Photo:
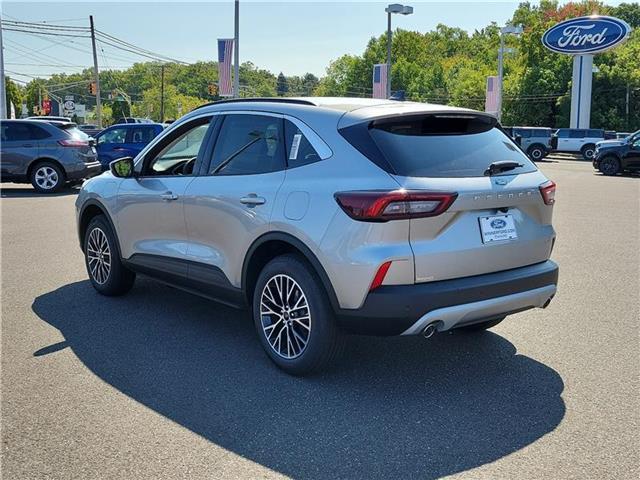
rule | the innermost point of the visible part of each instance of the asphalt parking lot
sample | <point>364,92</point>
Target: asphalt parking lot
<point>161,384</point>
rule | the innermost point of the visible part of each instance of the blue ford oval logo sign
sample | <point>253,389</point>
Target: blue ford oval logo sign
<point>586,35</point>
<point>498,224</point>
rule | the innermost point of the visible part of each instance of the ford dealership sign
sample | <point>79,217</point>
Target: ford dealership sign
<point>582,35</point>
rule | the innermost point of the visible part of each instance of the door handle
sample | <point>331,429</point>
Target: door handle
<point>169,196</point>
<point>252,200</point>
<point>119,149</point>
<point>28,145</point>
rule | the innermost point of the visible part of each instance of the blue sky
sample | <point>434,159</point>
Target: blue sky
<point>292,37</point>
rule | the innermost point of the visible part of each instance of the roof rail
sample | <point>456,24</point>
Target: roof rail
<point>297,101</point>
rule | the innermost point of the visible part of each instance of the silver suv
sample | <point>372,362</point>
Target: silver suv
<point>329,215</point>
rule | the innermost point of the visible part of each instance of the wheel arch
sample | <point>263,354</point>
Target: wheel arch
<point>273,244</point>
<point>91,209</point>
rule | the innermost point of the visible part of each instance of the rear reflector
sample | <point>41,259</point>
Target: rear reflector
<point>548,192</point>
<point>380,274</point>
<point>73,143</point>
<point>382,206</point>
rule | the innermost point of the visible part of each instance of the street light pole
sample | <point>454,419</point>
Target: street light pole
<point>403,10</point>
<point>515,30</point>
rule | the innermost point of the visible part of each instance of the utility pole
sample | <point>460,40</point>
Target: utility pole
<point>3,90</point>
<point>162,93</point>
<point>236,51</point>
<point>96,76</point>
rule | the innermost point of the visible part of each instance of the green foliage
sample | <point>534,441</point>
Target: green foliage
<point>14,96</point>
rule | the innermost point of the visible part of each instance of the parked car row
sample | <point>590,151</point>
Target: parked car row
<point>538,142</point>
<point>51,152</point>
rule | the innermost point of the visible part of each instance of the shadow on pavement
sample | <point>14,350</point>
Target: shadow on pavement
<point>26,192</point>
<point>392,407</point>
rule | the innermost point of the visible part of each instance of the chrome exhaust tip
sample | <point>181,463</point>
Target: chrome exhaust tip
<point>430,329</point>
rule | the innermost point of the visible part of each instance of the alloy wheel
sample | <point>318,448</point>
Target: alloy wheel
<point>99,255</point>
<point>46,177</point>
<point>285,316</point>
<point>608,166</point>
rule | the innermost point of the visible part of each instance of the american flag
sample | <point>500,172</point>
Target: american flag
<point>491,102</point>
<point>225,51</point>
<point>380,80</point>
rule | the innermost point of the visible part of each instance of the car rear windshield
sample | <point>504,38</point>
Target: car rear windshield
<point>439,145</point>
<point>73,131</point>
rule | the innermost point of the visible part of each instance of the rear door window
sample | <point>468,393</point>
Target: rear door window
<point>249,144</point>
<point>576,133</point>
<point>444,145</point>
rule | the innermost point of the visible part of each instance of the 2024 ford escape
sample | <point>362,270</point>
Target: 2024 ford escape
<point>326,216</point>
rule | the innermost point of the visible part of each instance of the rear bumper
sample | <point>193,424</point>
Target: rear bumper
<point>407,309</point>
<point>85,170</point>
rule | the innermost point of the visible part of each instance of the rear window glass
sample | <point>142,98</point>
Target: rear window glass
<point>74,132</point>
<point>445,146</point>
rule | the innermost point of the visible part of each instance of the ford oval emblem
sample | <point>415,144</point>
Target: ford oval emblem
<point>501,181</point>
<point>498,224</point>
<point>586,35</point>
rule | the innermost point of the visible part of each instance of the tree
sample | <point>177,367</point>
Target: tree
<point>14,96</point>
<point>282,85</point>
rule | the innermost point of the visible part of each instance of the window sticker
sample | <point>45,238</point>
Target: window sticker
<point>295,145</point>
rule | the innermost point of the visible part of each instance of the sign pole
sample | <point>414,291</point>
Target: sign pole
<point>581,83</point>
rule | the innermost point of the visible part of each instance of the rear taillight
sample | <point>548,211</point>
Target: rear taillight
<point>382,206</point>
<point>548,192</point>
<point>73,143</point>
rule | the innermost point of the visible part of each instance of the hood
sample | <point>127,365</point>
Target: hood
<point>610,143</point>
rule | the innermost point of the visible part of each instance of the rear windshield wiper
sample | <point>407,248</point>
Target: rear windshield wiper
<point>502,166</point>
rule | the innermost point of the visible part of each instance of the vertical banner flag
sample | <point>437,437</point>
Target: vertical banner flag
<point>491,102</point>
<point>225,51</point>
<point>380,80</point>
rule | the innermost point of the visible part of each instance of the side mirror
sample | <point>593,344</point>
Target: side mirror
<point>518,139</point>
<point>122,167</point>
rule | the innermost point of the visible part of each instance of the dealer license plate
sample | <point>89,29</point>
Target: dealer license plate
<point>497,228</point>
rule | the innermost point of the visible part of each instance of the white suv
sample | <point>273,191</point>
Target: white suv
<point>329,215</point>
<point>577,140</point>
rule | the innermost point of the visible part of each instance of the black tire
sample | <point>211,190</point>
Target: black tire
<point>609,165</point>
<point>478,327</point>
<point>324,341</point>
<point>47,177</point>
<point>588,151</point>
<point>536,152</point>
<point>118,279</point>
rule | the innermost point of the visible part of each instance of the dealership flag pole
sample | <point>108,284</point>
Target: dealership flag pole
<point>236,44</point>
<point>3,91</point>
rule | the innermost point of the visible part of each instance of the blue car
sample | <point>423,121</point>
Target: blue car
<point>124,140</point>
